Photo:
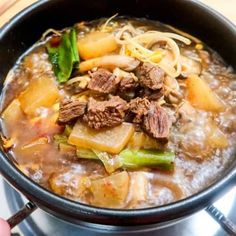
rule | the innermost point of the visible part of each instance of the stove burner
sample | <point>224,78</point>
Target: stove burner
<point>43,224</point>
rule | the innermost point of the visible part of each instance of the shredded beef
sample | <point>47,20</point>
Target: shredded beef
<point>103,81</point>
<point>139,107</point>
<point>71,109</point>
<point>150,76</point>
<point>103,114</point>
<point>156,122</point>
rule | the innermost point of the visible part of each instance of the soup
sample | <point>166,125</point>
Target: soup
<point>120,113</point>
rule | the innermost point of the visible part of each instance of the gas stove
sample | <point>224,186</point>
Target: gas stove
<point>43,224</point>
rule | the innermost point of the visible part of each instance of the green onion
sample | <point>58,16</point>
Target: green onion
<point>63,138</point>
<point>86,153</point>
<point>67,130</point>
<point>147,158</point>
<point>131,159</point>
<point>64,57</point>
<point>73,40</point>
<point>60,138</point>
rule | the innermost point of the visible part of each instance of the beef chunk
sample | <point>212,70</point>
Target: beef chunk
<point>152,95</point>
<point>127,88</point>
<point>127,84</point>
<point>103,81</point>
<point>156,122</point>
<point>155,95</point>
<point>150,76</point>
<point>139,107</point>
<point>71,109</point>
<point>102,114</point>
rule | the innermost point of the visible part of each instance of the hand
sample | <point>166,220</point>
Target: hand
<point>4,228</point>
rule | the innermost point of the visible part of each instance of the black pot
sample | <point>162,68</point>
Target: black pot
<point>191,16</point>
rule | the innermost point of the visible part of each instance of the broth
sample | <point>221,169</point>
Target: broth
<point>164,129</point>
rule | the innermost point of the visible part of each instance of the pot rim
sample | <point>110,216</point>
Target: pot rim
<point>55,204</point>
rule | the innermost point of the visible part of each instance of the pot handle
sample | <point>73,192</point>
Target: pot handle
<point>224,222</point>
<point>24,212</point>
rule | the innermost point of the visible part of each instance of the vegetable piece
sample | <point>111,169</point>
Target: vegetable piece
<point>137,140</point>
<point>141,140</point>
<point>67,149</point>
<point>60,138</point>
<point>64,55</point>
<point>96,44</point>
<point>111,163</point>
<point>13,112</point>
<point>215,137</point>
<point>108,140</point>
<point>139,188</point>
<point>41,92</point>
<point>147,158</point>
<point>8,143</point>
<point>110,62</point>
<point>73,41</point>
<point>68,130</point>
<point>201,96</point>
<point>111,191</point>
<point>131,159</point>
<point>65,59</point>
<point>69,183</point>
<point>61,58</point>
<point>33,148</point>
<point>36,142</point>
<point>86,153</point>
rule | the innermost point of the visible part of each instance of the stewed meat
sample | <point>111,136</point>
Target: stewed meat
<point>127,84</point>
<point>103,114</point>
<point>103,81</point>
<point>71,109</point>
<point>150,76</point>
<point>138,108</point>
<point>157,123</point>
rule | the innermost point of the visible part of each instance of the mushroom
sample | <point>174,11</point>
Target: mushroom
<point>110,62</point>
